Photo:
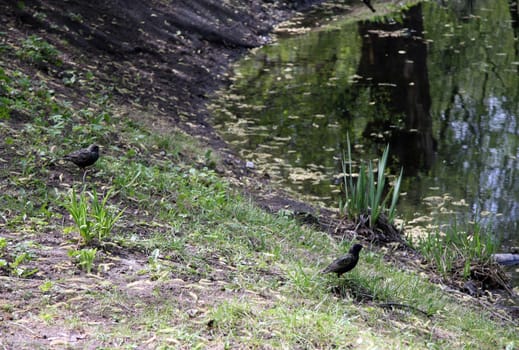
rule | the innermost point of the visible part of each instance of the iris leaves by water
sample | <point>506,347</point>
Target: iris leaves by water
<point>363,194</point>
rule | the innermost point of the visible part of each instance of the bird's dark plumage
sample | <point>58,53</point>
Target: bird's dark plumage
<point>346,262</point>
<point>84,157</point>
<point>368,4</point>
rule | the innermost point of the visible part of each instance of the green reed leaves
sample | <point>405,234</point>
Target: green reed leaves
<point>364,193</point>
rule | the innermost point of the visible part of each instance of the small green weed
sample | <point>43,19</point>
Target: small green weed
<point>36,50</point>
<point>76,17</point>
<point>46,286</point>
<point>3,246</point>
<point>158,270</point>
<point>13,261</point>
<point>16,265</point>
<point>18,269</point>
<point>84,257</point>
<point>4,90</point>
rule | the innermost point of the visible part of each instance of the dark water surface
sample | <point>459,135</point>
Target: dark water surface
<point>439,84</point>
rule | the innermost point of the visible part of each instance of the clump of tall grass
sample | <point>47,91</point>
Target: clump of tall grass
<point>94,219</point>
<point>456,250</point>
<point>364,194</point>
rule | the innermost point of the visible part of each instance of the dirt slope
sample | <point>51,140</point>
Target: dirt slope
<point>168,53</point>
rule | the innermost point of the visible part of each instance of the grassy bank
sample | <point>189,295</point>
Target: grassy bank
<point>192,262</point>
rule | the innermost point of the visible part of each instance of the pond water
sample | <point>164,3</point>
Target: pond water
<point>438,83</point>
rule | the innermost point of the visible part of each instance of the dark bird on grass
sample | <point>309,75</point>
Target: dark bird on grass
<point>346,262</point>
<point>84,157</point>
<point>368,4</point>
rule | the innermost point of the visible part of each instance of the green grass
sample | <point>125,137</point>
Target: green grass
<point>457,249</point>
<point>193,262</point>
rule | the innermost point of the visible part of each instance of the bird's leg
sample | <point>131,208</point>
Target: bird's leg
<point>84,174</point>
<point>368,4</point>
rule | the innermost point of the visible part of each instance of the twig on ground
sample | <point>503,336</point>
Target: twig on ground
<point>403,306</point>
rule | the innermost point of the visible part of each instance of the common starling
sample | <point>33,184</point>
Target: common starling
<point>84,157</point>
<point>368,4</point>
<point>346,262</point>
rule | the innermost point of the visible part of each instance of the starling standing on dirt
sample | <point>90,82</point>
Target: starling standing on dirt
<point>368,4</point>
<point>346,262</point>
<point>84,157</point>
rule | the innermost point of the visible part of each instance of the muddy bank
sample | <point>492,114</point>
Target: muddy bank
<point>166,55</point>
<point>169,54</point>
